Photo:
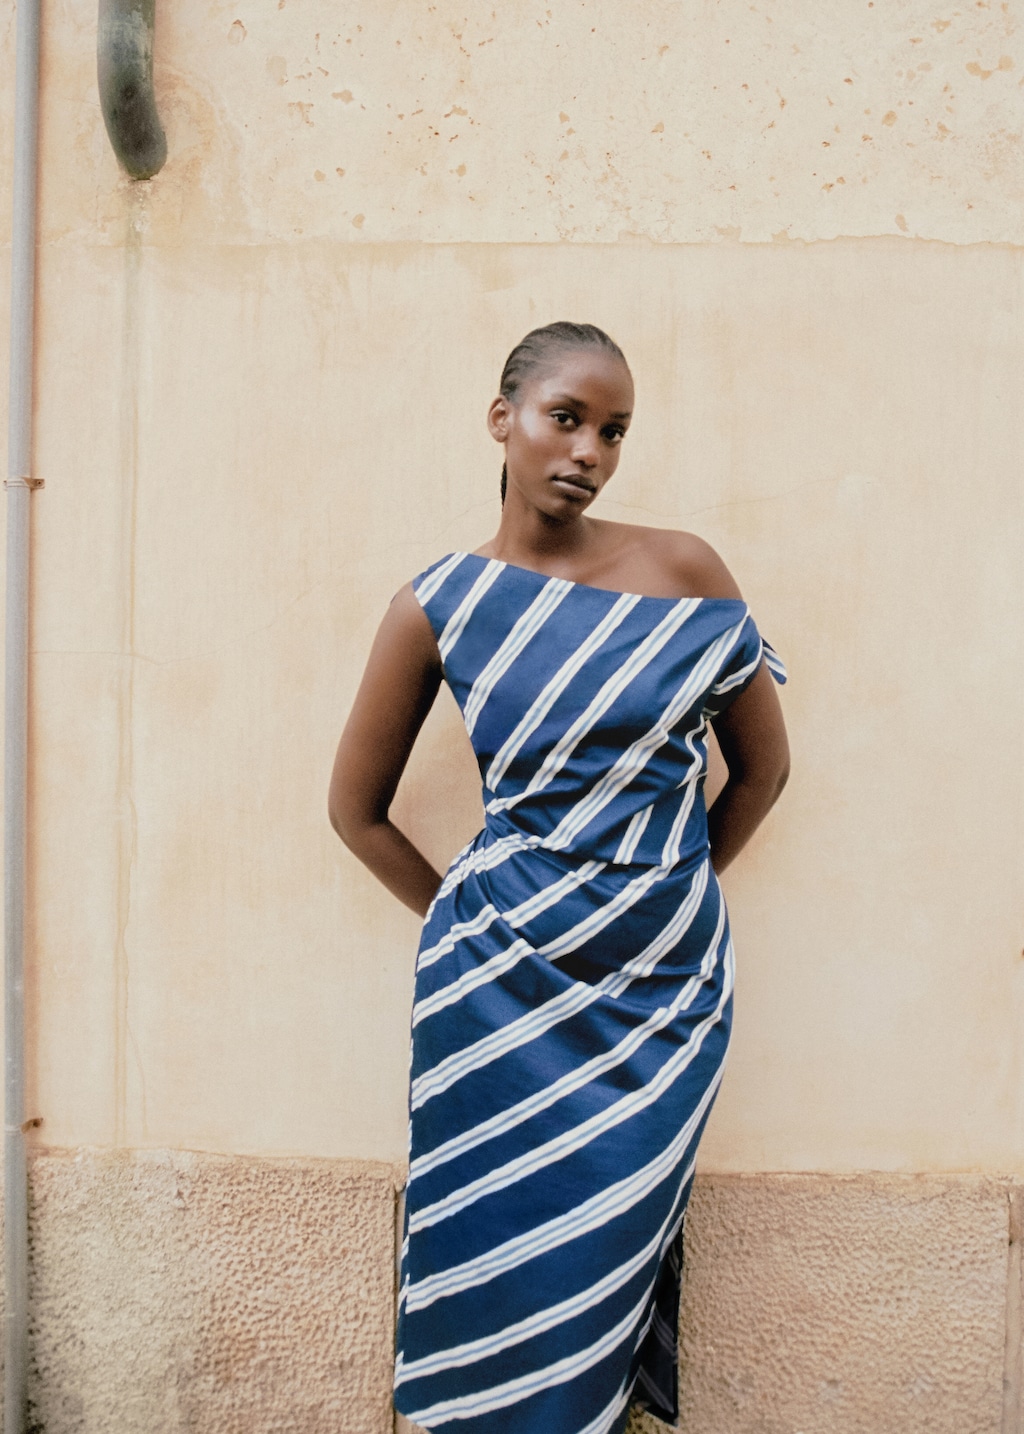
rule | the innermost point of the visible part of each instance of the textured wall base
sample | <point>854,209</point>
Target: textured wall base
<point>847,1305</point>
<point>175,1292</point>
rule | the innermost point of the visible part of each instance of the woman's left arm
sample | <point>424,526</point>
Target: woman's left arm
<point>752,735</point>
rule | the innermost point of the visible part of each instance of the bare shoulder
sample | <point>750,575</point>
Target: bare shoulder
<point>406,625</point>
<point>405,606</point>
<point>690,562</point>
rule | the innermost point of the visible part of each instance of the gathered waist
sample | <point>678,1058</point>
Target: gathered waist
<point>679,852</point>
<point>508,893</point>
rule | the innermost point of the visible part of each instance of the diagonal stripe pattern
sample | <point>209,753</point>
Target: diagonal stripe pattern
<point>572,1006</point>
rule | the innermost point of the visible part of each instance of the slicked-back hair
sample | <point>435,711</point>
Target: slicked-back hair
<point>539,347</point>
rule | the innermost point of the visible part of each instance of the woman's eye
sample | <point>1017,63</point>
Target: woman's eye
<point>613,435</point>
<point>563,419</point>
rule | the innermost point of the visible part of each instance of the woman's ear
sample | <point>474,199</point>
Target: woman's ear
<point>498,419</point>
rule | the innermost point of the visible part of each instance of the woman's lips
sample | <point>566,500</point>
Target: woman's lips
<point>575,487</point>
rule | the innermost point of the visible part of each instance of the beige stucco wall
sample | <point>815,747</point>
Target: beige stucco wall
<point>220,533</point>
<point>261,384</point>
<point>257,417</point>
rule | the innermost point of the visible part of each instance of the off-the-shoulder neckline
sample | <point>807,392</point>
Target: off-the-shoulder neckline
<point>590,587</point>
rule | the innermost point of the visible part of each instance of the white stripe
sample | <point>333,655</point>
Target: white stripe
<point>601,1208</point>
<point>535,1324</point>
<point>543,1320</point>
<point>604,1421</point>
<point>631,840</point>
<point>486,858</point>
<point>641,656</point>
<point>535,715</point>
<point>534,905</point>
<point>515,917</point>
<point>646,1384</point>
<point>430,586</point>
<point>457,622</point>
<point>666,939</point>
<point>670,851</point>
<point>528,625</point>
<point>666,1336</point>
<point>468,1406</point>
<point>772,661</point>
<point>527,1028</point>
<point>596,921</point>
<point>572,1081</point>
<point>498,1043</point>
<point>692,780</point>
<point>775,664</point>
<point>735,678</point>
<point>479,976</point>
<point>632,761</point>
<point>568,1142</point>
<point>608,1415</point>
<point>474,927</point>
<point>457,860</point>
<point>641,1335</point>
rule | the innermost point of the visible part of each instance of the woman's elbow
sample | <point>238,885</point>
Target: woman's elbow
<point>336,817</point>
<point>764,779</point>
<point>343,817</point>
<point>351,820</point>
<point>775,776</point>
<point>781,776</point>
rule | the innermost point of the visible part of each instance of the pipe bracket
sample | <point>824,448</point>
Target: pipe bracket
<point>24,483</point>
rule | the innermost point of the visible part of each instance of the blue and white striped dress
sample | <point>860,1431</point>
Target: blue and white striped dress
<point>572,1005</point>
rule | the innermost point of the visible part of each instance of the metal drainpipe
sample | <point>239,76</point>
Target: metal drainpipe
<point>124,65</point>
<point>19,486</point>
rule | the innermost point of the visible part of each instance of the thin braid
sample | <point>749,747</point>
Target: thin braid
<point>535,352</point>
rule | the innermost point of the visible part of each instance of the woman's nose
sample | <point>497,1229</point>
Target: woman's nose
<point>584,449</point>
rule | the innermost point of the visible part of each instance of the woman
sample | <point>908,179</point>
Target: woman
<point>573,987</point>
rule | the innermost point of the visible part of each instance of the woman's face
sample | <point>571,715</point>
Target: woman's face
<point>563,432</point>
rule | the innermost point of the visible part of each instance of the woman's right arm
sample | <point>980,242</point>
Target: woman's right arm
<point>397,691</point>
